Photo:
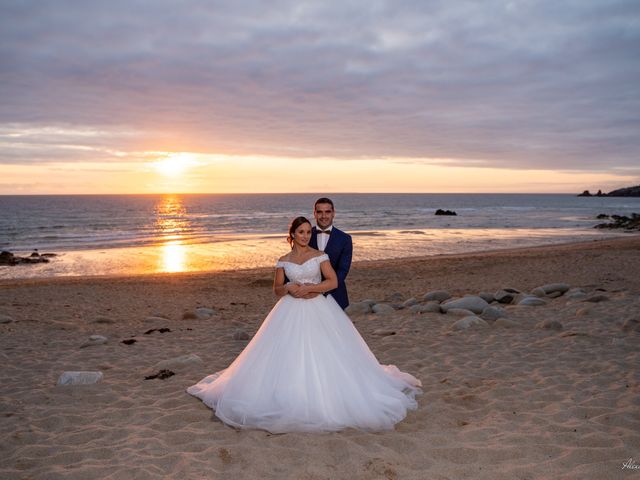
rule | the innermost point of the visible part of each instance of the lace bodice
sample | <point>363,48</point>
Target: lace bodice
<point>307,272</point>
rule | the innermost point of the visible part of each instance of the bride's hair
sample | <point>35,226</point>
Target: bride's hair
<point>294,226</point>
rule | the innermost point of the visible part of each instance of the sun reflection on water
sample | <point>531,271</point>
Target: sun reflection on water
<point>172,224</point>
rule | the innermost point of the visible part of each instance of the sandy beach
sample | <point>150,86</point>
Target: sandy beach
<point>544,392</point>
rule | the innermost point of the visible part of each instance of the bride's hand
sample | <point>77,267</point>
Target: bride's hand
<point>294,289</point>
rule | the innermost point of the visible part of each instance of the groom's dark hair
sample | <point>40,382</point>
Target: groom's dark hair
<point>324,200</point>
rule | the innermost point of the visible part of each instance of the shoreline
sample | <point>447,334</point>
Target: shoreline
<point>359,264</point>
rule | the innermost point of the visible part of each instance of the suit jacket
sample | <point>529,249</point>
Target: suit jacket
<point>340,250</point>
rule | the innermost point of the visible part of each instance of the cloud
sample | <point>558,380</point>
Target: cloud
<point>517,84</point>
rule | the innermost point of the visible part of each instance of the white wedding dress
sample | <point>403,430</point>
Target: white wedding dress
<point>307,369</point>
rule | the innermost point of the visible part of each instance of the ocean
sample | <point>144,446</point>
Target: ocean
<point>133,234</point>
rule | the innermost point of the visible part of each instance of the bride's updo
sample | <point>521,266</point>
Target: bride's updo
<point>294,226</point>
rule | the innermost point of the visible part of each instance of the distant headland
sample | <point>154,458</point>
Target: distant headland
<point>621,192</point>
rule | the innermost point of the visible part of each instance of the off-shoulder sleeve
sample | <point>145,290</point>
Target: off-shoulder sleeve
<point>322,258</point>
<point>280,264</point>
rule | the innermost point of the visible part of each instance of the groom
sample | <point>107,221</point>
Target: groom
<point>335,243</point>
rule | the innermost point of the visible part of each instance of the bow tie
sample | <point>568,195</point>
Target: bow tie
<point>328,232</point>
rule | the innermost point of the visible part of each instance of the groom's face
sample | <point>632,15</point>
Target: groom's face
<point>324,214</point>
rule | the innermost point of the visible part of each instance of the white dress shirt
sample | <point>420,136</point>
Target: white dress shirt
<point>323,238</point>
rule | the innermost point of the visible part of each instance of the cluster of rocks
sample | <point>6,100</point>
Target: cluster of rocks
<point>445,212</point>
<point>620,221</point>
<point>621,192</point>
<point>8,258</point>
<point>475,310</point>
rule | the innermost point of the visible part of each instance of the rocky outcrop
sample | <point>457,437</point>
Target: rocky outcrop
<point>445,212</point>
<point>8,258</point>
<point>625,192</point>
<point>621,221</point>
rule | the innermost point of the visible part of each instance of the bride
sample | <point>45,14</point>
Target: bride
<point>307,369</point>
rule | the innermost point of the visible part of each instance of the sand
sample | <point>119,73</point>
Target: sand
<point>510,400</point>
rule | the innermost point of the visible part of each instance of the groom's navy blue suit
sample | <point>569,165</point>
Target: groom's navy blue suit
<point>340,250</point>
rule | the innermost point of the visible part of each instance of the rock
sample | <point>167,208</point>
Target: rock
<point>459,312</point>
<point>5,319</point>
<point>183,361</point>
<point>383,309</point>
<point>436,296</point>
<point>492,313</point>
<point>94,340</point>
<point>394,297</point>
<point>586,193</point>
<point>241,334</point>
<point>487,297</point>
<point>504,323</point>
<point>467,322</point>
<point>596,299</point>
<point>625,192</point>
<point>359,308</point>
<point>471,302</point>
<point>576,294</point>
<point>204,313</point>
<point>369,302</point>
<point>506,295</point>
<point>409,303</point>
<point>383,332</point>
<point>129,341</point>
<point>631,325</point>
<point>532,302</point>
<point>104,320</point>
<point>79,378</point>
<point>445,212</point>
<point>622,221</point>
<point>555,287</point>
<point>550,325</point>
<point>431,307</point>
<point>554,294</point>
<point>189,315</point>
<point>538,292</point>
<point>155,319</point>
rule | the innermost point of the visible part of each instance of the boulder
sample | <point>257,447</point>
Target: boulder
<point>189,315</point>
<point>505,323</point>
<point>79,378</point>
<point>5,319</point>
<point>555,287</point>
<point>359,308</point>
<point>382,308</point>
<point>445,212</point>
<point>532,302</point>
<point>487,297</point>
<point>467,322</point>
<point>538,292</point>
<point>204,313</point>
<point>550,325</point>
<point>576,294</point>
<point>94,340</point>
<point>436,296</point>
<point>183,361</point>
<point>596,299</point>
<point>409,303</point>
<point>431,307</point>
<point>395,297</point>
<point>473,303</point>
<point>506,295</point>
<point>460,312</point>
<point>492,314</point>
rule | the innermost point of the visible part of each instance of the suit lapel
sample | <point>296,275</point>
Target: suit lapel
<point>313,243</point>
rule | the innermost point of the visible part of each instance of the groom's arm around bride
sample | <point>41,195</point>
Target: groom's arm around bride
<point>336,244</point>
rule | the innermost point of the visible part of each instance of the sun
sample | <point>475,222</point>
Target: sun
<point>174,164</point>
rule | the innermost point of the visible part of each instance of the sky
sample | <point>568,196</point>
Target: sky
<point>293,96</point>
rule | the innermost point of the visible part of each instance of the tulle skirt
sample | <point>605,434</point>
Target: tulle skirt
<point>307,369</point>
